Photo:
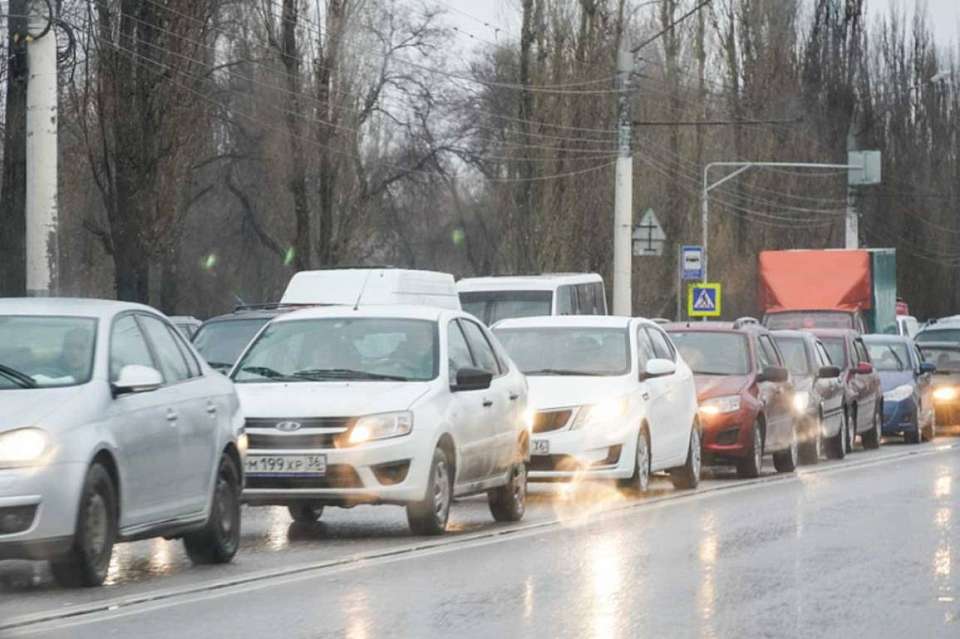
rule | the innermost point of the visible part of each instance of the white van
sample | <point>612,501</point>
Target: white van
<point>368,286</point>
<point>495,298</point>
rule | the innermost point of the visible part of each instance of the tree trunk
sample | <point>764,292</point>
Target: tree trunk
<point>297,182</point>
<point>328,114</point>
<point>13,194</point>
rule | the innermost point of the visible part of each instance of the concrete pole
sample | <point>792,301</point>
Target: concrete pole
<point>852,226</point>
<point>623,199</point>
<point>42,118</point>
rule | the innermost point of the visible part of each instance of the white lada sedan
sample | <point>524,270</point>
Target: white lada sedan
<point>111,429</point>
<point>408,405</point>
<point>610,398</point>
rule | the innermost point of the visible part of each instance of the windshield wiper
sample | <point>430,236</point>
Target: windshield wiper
<point>346,373</point>
<point>22,379</point>
<point>268,373</point>
<point>220,366</point>
<point>900,366</point>
<point>564,372</point>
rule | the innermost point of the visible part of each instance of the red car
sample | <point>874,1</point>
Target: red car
<point>863,398</point>
<point>745,395</point>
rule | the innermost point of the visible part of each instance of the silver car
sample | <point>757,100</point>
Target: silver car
<point>111,429</point>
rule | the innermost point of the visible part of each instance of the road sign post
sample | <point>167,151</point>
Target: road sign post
<point>705,300</point>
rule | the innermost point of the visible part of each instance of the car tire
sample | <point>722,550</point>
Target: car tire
<point>836,447</point>
<point>785,461</point>
<point>912,437</point>
<point>305,513</point>
<point>429,515</point>
<point>640,481</point>
<point>509,502</point>
<point>851,431</point>
<point>750,467</point>
<point>871,438</point>
<point>687,477</point>
<point>88,560</point>
<point>812,448</point>
<point>219,539</point>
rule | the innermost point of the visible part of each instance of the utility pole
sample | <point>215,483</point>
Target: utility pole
<point>852,226</point>
<point>42,120</point>
<point>623,198</point>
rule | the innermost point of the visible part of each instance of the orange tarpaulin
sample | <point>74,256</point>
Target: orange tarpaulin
<point>815,280</point>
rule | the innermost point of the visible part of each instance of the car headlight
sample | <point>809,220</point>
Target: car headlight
<point>945,394</point>
<point>899,393</point>
<point>383,426</point>
<point>529,418</point>
<point>801,400</point>
<point>243,443</point>
<point>24,447</point>
<point>720,405</point>
<point>602,412</point>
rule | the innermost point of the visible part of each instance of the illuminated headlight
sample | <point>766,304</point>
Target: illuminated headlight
<point>602,412</point>
<point>529,418</point>
<point>801,399</point>
<point>899,393</point>
<point>382,426</point>
<point>243,443</point>
<point>24,447</point>
<point>945,394</point>
<point>720,405</point>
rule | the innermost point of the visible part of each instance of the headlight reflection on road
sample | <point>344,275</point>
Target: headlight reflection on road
<point>582,500</point>
<point>278,532</point>
<point>606,586</point>
<point>706,591</point>
<point>358,615</point>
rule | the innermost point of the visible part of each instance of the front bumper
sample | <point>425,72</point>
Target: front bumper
<point>727,436</point>
<point>601,451</point>
<point>44,498</point>
<point>899,417</point>
<point>392,471</point>
<point>947,413</point>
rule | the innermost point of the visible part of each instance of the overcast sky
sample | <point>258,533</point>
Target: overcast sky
<point>470,16</point>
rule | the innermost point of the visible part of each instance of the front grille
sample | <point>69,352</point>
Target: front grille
<point>728,437</point>
<point>305,422</point>
<point>264,434</point>
<point>338,476</point>
<point>546,421</point>
<point>262,441</point>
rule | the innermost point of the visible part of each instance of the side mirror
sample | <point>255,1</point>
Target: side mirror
<point>472,379</point>
<point>137,379</point>
<point>927,368</point>
<point>864,368</point>
<point>659,368</point>
<point>828,372</point>
<point>775,374</point>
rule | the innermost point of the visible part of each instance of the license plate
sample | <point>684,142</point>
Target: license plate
<point>313,465</point>
<point>541,447</point>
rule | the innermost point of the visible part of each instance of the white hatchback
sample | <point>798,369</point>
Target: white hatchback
<point>610,398</point>
<point>406,405</point>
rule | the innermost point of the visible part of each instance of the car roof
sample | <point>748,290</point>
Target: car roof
<point>878,338</point>
<point>396,311</point>
<point>569,321</point>
<point>541,282</point>
<point>70,306</point>
<point>805,335</point>
<point>834,332</point>
<point>251,313</point>
<point>716,327</point>
<point>945,346</point>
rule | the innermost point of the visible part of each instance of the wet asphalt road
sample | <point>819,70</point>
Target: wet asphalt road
<point>866,547</point>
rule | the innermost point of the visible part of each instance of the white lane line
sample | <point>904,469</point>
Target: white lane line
<point>136,604</point>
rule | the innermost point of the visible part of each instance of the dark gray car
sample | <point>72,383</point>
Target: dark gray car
<point>222,339</point>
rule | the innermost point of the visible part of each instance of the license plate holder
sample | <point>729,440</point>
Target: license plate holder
<point>286,465</point>
<point>540,447</point>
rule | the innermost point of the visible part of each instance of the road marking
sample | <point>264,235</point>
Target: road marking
<point>125,606</point>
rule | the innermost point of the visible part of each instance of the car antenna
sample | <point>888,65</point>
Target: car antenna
<point>356,306</point>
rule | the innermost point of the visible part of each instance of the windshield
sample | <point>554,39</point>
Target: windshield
<point>568,351</point>
<point>710,353</point>
<point>797,320</point>
<point>836,350</point>
<point>352,349</point>
<point>889,356</point>
<point>947,360</point>
<point>795,355</point>
<point>222,342</point>
<point>939,335</point>
<point>493,306</point>
<point>46,352</point>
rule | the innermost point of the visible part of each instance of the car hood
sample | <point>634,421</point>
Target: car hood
<point>891,379</point>
<point>710,386</point>
<point>949,379</point>
<point>547,391</point>
<point>328,399</point>
<point>30,406</point>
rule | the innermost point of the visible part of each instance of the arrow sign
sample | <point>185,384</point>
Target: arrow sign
<point>704,300</point>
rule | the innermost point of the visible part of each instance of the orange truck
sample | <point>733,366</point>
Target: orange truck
<point>829,288</point>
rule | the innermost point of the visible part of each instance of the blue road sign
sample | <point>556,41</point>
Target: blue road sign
<point>692,262</point>
<point>704,300</point>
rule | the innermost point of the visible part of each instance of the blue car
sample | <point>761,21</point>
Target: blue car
<point>905,379</point>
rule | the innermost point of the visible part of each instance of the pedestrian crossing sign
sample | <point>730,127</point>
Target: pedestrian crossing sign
<point>704,300</point>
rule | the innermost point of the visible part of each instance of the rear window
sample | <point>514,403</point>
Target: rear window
<point>222,342</point>
<point>798,320</point>
<point>714,353</point>
<point>492,306</point>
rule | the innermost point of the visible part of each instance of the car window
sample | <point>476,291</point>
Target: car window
<point>822,356</point>
<point>565,300</point>
<point>861,351</point>
<point>794,354</point>
<point>601,298</point>
<point>662,347</point>
<point>192,365</point>
<point>458,353</point>
<point>713,353</point>
<point>481,348</point>
<point>644,349</point>
<point>569,350</point>
<point>836,349</point>
<point>766,354</point>
<point>172,364</point>
<point>128,347</point>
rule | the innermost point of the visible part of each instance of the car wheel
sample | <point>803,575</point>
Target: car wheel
<point>305,513</point>
<point>851,431</point>
<point>640,481</point>
<point>88,560</point>
<point>687,476</point>
<point>217,542</point>
<point>812,448</point>
<point>509,502</point>
<point>785,461</point>
<point>871,438</point>
<point>429,515</point>
<point>912,437</point>
<point>837,445</point>
<point>750,466</point>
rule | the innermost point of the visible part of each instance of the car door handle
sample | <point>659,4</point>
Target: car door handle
<point>211,409</point>
<point>514,397</point>
<point>487,403</point>
<point>172,416</point>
